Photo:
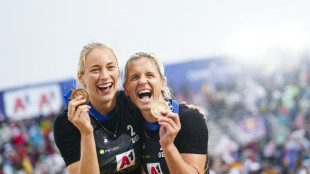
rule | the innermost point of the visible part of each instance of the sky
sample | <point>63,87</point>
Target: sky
<point>40,41</point>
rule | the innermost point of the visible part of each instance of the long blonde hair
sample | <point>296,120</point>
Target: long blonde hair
<point>86,49</point>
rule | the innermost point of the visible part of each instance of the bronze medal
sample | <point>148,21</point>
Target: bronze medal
<point>76,92</point>
<point>159,107</point>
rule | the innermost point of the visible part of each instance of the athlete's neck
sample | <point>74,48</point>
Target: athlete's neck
<point>106,107</point>
<point>148,116</point>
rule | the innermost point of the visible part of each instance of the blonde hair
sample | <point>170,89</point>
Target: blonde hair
<point>161,70</point>
<point>86,49</point>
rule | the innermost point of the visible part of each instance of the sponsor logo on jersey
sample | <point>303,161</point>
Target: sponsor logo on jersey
<point>102,151</point>
<point>146,156</point>
<point>125,160</point>
<point>154,168</point>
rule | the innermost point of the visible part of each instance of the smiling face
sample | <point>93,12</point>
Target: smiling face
<point>144,84</point>
<point>101,75</point>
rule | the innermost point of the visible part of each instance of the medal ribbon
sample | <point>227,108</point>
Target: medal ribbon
<point>93,111</point>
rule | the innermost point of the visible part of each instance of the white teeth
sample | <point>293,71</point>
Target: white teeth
<point>144,91</point>
<point>104,86</point>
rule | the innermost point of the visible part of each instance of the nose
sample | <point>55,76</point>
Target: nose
<point>142,80</point>
<point>104,74</point>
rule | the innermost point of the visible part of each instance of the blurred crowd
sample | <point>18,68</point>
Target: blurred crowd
<point>284,95</point>
<point>28,146</point>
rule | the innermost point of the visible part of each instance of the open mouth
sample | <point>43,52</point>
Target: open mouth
<point>105,87</point>
<point>145,95</point>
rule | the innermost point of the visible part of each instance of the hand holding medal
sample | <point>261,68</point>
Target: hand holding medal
<point>78,110</point>
<point>77,92</point>
<point>158,108</point>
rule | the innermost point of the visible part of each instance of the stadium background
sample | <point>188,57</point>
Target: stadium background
<point>253,86</point>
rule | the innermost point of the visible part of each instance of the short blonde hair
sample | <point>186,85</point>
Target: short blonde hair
<point>167,92</point>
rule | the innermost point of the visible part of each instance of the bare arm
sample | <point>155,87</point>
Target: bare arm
<point>184,163</point>
<point>88,162</point>
<point>79,117</point>
<point>142,170</point>
<point>177,163</point>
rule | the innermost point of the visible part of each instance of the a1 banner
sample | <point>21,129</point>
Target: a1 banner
<point>32,102</point>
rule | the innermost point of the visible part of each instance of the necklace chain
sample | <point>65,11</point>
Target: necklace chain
<point>115,132</point>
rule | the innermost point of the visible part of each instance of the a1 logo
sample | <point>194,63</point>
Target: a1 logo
<point>154,168</point>
<point>125,159</point>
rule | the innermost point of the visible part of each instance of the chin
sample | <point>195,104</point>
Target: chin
<point>108,97</point>
<point>144,107</point>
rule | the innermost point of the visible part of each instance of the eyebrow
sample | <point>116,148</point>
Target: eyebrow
<point>112,63</point>
<point>130,75</point>
<point>96,65</point>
